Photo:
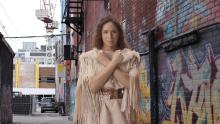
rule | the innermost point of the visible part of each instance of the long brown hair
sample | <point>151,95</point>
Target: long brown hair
<point>97,40</point>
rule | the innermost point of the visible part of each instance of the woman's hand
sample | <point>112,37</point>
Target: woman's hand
<point>98,81</point>
<point>117,57</point>
<point>110,69</point>
<point>103,59</point>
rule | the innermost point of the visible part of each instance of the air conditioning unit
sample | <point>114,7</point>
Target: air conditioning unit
<point>67,52</point>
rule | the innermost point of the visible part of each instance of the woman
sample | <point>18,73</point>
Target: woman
<point>108,88</point>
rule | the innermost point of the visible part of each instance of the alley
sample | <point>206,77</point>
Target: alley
<point>102,59</point>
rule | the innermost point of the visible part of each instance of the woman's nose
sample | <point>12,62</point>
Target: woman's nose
<point>110,35</point>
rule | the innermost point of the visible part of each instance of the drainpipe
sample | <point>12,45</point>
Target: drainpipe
<point>154,89</point>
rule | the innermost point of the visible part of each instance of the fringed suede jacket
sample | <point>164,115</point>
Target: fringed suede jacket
<point>114,104</point>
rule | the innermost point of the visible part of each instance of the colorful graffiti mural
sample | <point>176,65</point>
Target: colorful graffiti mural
<point>194,96</point>
<point>178,16</point>
<point>189,77</point>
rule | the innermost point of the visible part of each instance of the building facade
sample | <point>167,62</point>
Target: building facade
<point>34,69</point>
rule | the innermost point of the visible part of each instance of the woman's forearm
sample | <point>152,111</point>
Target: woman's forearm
<point>122,77</point>
<point>101,78</point>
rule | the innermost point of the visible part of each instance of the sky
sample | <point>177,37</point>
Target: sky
<point>18,18</point>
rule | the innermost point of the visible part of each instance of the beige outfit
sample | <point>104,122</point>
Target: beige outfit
<point>99,108</point>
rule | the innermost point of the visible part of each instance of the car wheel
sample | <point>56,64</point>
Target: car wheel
<point>42,111</point>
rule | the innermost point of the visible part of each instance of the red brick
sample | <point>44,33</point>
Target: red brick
<point>210,5</point>
<point>217,14</point>
<point>217,19</point>
<point>217,3</point>
<point>211,17</point>
<point>215,9</point>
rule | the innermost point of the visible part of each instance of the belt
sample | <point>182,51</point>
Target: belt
<point>113,93</point>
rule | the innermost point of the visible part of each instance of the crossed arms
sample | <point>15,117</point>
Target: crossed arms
<point>111,69</point>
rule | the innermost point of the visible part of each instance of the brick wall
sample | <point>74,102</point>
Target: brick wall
<point>189,81</point>
<point>184,15</point>
<point>93,13</point>
<point>188,76</point>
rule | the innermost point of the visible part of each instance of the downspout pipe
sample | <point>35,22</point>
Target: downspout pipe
<point>154,87</point>
<point>154,90</point>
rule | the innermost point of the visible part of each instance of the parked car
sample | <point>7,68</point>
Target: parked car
<point>48,104</point>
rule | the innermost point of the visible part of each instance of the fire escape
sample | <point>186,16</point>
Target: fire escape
<point>73,17</point>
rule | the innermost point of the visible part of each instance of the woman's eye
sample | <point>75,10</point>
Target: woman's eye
<point>114,32</point>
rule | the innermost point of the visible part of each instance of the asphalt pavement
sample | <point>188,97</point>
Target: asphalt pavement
<point>41,118</point>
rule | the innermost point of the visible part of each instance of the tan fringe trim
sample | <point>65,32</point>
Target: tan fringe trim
<point>87,103</point>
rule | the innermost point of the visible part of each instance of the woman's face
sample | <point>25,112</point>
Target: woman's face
<point>110,35</point>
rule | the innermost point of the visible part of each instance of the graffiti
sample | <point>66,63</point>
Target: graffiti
<point>194,91</point>
<point>145,97</point>
<point>128,31</point>
<point>201,9</point>
<point>163,7</point>
<point>181,15</point>
<point>168,28</point>
<point>142,44</point>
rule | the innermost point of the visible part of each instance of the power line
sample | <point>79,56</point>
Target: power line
<point>5,12</point>
<point>53,35</point>
<point>3,27</point>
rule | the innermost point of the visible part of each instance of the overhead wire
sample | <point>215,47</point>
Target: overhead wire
<point>53,35</point>
<point>5,12</point>
<point>3,27</point>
